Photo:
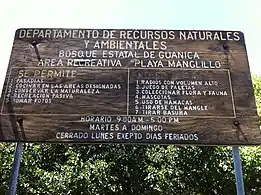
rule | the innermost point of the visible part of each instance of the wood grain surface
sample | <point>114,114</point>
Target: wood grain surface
<point>108,97</point>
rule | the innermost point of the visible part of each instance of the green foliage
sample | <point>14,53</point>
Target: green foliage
<point>131,169</point>
<point>6,160</point>
<point>257,87</point>
<point>192,170</point>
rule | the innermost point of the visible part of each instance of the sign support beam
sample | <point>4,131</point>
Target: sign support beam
<point>15,169</point>
<point>238,171</point>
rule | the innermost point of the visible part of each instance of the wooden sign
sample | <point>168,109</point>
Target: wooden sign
<point>129,86</point>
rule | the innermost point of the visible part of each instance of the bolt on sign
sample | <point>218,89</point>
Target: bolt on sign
<point>129,86</point>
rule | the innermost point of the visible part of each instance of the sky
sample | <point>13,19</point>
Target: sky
<point>144,14</point>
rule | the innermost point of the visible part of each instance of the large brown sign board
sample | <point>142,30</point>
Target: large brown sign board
<point>129,86</point>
